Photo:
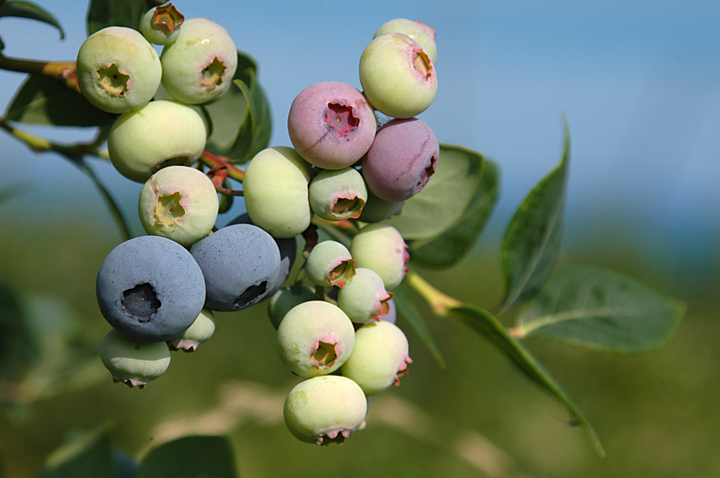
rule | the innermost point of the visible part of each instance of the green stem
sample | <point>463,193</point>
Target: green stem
<point>440,302</point>
<point>61,70</point>
<point>38,144</point>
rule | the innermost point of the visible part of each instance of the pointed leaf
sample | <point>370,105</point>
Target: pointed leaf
<point>18,346</point>
<point>597,308</point>
<point>407,310</point>
<point>445,198</point>
<point>122,13</point>
<point>532,241</point>
<point>490,328</point>
<point>32,11</point>
<point>42,100</point>
<point>454,244</point>
<point>190,457</point>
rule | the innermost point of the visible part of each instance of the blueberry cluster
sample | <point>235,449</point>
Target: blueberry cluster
<point>335,318</point>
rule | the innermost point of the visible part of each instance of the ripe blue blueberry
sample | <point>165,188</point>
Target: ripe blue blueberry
<point>150,288</point>
<point>240,263</point>
<point>288,252</point>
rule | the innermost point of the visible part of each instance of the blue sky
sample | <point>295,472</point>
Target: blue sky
<point>639,82</point>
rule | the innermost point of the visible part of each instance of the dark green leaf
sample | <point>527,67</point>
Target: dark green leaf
<point>407,310</point>
<point>597,308</point>
<point>445,198</point>
<point>17,343</point>
<point>42,100</point>
<point>89,456</point>
<point>190,457</point>
<point>32,11</point>
<point>239,121</point>
<point>532,241</point>
<point>490,328</point>
<point>454,244</point>
<point>106,13</point>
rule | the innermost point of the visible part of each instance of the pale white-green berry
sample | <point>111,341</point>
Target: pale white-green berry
<point>132,362</point>
<point>364,297</point>
<point>421,32</point>
<point>330,264</point>
<point>381,247</point>
<point>338,194</point>
<point>200,331</point>
<point>380,357</point>
<point>324,410</point>
<point>161,25</point>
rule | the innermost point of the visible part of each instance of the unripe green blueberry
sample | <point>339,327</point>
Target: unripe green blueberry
<point>331,124</point>
<point>397,76</point>
<point>285,299</point>
<point>118,70</point>
<point>199,65</point>
<point>324,410</point>
<point>381,247</point>
<point>338,194</point>
<point>330,264</point>
<point>422,33</point>
<point>200,331</point>
<point>364,297</point>
<point>161,25</point>
<point>180,203</point>
<point>315,338</point>
<point>132,362</point>
<point>275,187</point>
<point>377,209</point>
<point>380,357</point>
<point>161,133</point>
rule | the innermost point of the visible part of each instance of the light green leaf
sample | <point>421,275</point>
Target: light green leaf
<point>190,457</point>
<point>489,327</point>
<point>532,241</point>
<point>407,311</point>
<point>454,244</point>
<point>32,11</point>
<point>42,100</point>
<point>596,308</point>
<point>445,198</point>
<point>122,13</point>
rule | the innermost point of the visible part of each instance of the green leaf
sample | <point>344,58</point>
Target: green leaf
<point>532,241</point>
<point>490,328</point>
<point>32,11</point>
<point>597,308</point>
<point>123,13</point>
<point>42,100</point>
<point>454,244</point>
<point>88,456</point>
<point>407,310</point>
<point>239,121</point>
<point>190,457</point>
<point>445,198</point>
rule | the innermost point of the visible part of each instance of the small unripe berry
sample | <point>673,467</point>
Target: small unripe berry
<point>199,65</point>
<point>330,264</point>
<point>364,297</point>
<point>200,331</point>
<point>331,124</point>
<point>401,160</point>
<point>118,70</point>
<point>338,194</point>
<point>377,209</point>
<point>275,186</point>
<point>132,362</point>
<point>180,203</point>
<point>161,25</point>
<point>315,338</point>
<point>422,33</point>
<point>397,76</point>
<point>161,133</point>
<point>381,247</point>
<point>380,357</point>
<point>324,410</point>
